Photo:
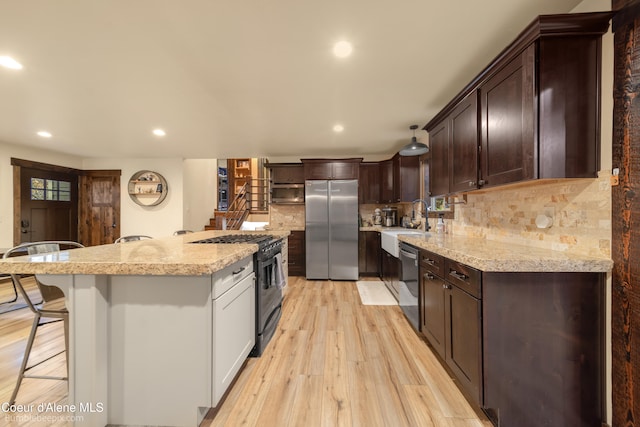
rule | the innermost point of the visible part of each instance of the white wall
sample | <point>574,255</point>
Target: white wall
<point>7,151</point>
<point>156,221</point>
<point>200,192</point>
<point>189,204</point>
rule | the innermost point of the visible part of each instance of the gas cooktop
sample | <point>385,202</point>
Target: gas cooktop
<point>238,238</point>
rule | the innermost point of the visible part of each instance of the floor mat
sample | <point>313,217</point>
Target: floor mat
<point>375,293</point>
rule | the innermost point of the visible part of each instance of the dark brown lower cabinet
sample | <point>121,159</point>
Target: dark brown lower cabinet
<point>543,348</point>
<point>390,271</point>
<point>526,347</point>
<point>297,259</point>
<point>432,311</point>
<point>452,318</point>
<point>463,334</point>
<point>369,253</point>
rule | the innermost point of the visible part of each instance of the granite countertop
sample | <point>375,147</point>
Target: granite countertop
<point>383,228</point>
<point>492,256</point>
<point>283,228</point>
<point>169,256</point>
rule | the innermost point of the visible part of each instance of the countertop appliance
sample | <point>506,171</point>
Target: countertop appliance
<point>409,284</point>
<point>268,290</point>
<point>389,216</point>
<point>377,217</point>
<point>331,229</point>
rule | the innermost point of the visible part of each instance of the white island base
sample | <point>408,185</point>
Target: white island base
<point>156,350</point>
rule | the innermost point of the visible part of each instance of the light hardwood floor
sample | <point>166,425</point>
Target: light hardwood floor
<point>332,362</point>
<point>14,331</point>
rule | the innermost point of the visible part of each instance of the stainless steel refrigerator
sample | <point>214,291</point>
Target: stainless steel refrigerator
<point>331,229</point>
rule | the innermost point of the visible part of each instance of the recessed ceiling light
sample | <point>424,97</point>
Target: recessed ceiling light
<point>9,62</point>
<point>337,128</point>
<point>159,132</point>
<point>44,134</point>
<point>342,49</point>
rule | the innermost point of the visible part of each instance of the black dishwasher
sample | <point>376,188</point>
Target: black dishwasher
<point>409,284</point>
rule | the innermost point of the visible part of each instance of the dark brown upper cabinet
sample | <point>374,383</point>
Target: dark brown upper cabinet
<point>406,178</point>
<point>390,181</point>
<point>508,122</point>
<point>539,111</point>
<point>387,193</point>
<point>369,183</point>
<point>454,149</point>
<point>286,173</point>
<point>439,162</point>
<point>331,169</point>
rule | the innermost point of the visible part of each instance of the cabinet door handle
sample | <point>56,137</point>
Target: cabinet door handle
<point>472,183</point>
<point>429,276</point>
<point>482,182</point>
<point>239,270</point>
<point>429,261</point>
<point>457,275</point>
<point>446,286</point>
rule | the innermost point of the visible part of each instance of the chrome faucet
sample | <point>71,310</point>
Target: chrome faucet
<point>425,213</point>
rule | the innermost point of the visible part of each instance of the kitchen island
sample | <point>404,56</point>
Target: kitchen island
<point>146,322</point>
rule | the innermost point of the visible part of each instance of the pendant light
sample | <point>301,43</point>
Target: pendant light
<point>414,148</point>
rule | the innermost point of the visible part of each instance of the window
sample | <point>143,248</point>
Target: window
<point>50,189</point>
<point>439,204</point>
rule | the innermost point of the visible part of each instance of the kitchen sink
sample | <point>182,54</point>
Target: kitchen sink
<point>389,238</point>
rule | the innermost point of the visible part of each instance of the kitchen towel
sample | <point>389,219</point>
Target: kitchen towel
<point>374,292</point>
<point>280,279</point>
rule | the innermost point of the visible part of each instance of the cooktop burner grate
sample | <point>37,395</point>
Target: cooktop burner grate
<point>238,238</point>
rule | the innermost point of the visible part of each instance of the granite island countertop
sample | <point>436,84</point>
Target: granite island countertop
<point>168,256</point>
<point>494,256</point>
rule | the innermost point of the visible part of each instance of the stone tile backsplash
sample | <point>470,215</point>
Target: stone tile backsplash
<point>580,210</point>
<point>290,217</point>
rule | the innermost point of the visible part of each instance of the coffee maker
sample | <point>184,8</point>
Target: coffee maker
<point>389,216</point>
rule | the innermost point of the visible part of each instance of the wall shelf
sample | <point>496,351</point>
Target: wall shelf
<point>147,188</point>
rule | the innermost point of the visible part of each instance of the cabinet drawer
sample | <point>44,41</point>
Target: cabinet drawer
<point>432,262</point>
<point>466,278</point>
<point>229,276</point>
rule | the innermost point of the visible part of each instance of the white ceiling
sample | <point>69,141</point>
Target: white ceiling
<point>233,78</point>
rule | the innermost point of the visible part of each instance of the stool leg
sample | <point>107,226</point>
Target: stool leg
<point>25,359</point>
<point>15,295</point>
<point>66,341</point>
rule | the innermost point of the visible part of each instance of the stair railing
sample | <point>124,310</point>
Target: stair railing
<point>238,210</point>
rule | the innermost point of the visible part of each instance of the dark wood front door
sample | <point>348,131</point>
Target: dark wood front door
<point>99,207</point>
<point>48,205</point>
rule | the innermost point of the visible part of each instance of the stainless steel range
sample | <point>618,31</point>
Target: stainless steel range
<point>268,290</point>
